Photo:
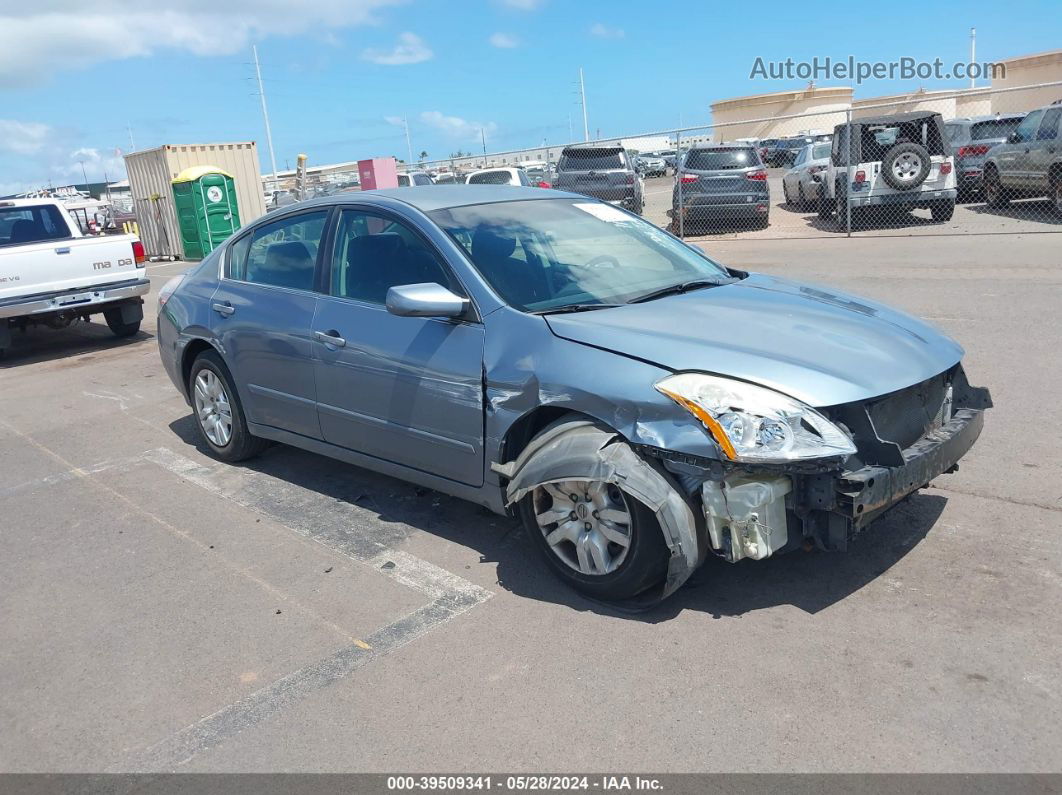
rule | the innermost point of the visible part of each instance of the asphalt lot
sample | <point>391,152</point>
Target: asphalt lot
<point>162,611</point>
<point>788,221</point>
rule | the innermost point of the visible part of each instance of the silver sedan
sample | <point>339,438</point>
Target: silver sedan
<point>800,184</point>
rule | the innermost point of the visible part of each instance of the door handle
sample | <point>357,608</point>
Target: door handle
<point>64,250</point>
<point>330,338</point>
<point>225,310</point>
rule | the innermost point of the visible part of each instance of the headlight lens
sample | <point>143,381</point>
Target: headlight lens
<point>754,424</point>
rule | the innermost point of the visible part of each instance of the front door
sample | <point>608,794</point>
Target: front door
<point>1045,149</point>
<point>404,389</point>
<point>262,311</point>
<point>1015,156</point>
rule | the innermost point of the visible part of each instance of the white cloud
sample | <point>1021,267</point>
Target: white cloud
<point>49,36</point>
<point>504,41</point>
<point>23,137</point>
<point>457,128</point>
<point>409,49</point>
<point>603,31</point>
<point>523,5</point>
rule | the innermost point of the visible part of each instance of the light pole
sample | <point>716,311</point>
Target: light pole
<point>582,97</point>
<point>265,115</point>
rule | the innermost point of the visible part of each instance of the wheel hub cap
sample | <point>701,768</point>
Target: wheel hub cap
<point>587,524</point>
<point>212,408</point>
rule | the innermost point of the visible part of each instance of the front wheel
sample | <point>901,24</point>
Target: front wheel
<point>825,207</point>
<point>218,412</point>
<point>1056,195</point>
<point>996,195</point>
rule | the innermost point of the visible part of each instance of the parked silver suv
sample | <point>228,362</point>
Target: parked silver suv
<point>608,173</point>
<point>1029,164</point>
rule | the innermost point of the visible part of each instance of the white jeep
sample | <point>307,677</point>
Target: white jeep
<point>901,161</point>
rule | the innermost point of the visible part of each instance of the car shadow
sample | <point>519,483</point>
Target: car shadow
<point>40,343</point>
<point>879,218</point>
<point>1021,210</point>
<point>810,581</point>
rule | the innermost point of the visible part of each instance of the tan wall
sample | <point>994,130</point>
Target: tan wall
<point>1029,70</point>
<point>151,171</point>
<point>825,107</point>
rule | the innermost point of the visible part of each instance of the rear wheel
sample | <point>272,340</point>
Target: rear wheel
<point>996,195</point>
<point>1056,194</point>
<point>785,193</point>
<point>218,412</point>
<point>825,207</point>
<point>802,200</point>
<point>117,326</point>
<point>942,210</point>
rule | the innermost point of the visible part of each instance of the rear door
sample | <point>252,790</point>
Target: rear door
<point>601,172</point>
<point>262,313</point>
<point>403,389</point>
<point>1044,149</point>
<point>721,175</point>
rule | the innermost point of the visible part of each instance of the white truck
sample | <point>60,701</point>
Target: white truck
<point>52,275</point>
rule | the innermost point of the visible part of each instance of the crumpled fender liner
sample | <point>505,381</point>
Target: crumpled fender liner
<point>577,449</point>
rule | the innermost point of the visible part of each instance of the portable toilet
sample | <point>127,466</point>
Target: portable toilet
<point>207,213</point>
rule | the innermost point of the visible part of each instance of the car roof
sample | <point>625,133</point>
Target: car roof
<point>722,146</point>
<point>427,198</point>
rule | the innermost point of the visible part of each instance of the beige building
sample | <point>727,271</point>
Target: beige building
<point>949,104</point>
<point>820,109</point>
<point>1027,70</point>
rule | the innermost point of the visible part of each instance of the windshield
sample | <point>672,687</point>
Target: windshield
<point>820,151</point>
<point>719,159</point>
<point>544,254</point>
<point>490,178</point>
<point>996,128</point>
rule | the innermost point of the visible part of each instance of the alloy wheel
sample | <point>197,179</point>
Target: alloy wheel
<point>907,167</point>
<point>212,407</point>
<point>587,524</point>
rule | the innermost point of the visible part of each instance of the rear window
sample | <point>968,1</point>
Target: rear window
<point>954,131</point>
<point>721,159</point>
<point>591,160</point>
<point>20,225</point>
<point>490,178</point>
<point>820,151</point>
<point>994,128</point>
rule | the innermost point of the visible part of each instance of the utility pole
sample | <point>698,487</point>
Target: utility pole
<point>265,115</point>
<point>571,132</point>
<point>409,145</point>
<point>582,97</point>
<point>83,174</point>
<point>973,54</point>
<point>129,129</point>
<point>483,140</point>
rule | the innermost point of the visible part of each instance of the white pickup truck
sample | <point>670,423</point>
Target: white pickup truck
<point>51,275</point>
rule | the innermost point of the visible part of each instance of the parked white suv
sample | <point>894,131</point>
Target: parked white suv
<point>52,275</point>
<point>902,161</point>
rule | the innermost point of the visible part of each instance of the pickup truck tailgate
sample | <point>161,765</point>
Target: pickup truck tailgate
<point>58,265</point>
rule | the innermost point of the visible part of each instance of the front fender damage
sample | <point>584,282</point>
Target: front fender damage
<point>583,450</point>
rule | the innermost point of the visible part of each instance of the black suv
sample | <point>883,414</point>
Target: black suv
<point>604,172</point>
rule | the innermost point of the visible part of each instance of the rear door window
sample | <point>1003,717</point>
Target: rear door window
<point>39,224</point>
<point>720,159</point>
<point>1026,131</point>
<point>1049,126</point>
<point>490,178</point>
<point>281,254</point>
<point>592,160</point>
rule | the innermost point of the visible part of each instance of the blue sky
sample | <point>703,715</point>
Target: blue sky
<point>340,73</point>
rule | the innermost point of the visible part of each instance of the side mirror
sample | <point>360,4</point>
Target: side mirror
<point>425,300</point>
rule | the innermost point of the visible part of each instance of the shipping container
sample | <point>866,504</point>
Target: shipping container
<point>150,175</point>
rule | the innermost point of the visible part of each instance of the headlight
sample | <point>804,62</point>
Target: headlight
<point>754,424</point>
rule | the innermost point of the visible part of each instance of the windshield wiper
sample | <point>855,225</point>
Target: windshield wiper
<point>675,289</point>
<point>560,310</point>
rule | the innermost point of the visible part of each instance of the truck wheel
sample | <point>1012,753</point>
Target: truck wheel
<point>942,210</point>
<point>996,195</point>
<point>218,412</point>
<point>595,537</point>
<point>825,207</point>
<point>117,326</point>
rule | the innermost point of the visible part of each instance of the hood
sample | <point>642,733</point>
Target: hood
<point>817,345</point>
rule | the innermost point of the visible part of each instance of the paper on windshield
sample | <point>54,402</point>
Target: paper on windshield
<point>606,212</point>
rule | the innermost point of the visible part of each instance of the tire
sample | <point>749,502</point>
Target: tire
<point>905,166</point>
<point>629,569</point>
<point>237,444</point>
<point>996,195</point>
<point>802,200</point>
<point>785,194</point>
<point>1056,195</point>
<point>942,210</point>
<point>825,208</point>
<point>840,205</point>
<point>117,327</point>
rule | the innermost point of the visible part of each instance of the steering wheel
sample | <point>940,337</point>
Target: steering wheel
<point>601,261</point>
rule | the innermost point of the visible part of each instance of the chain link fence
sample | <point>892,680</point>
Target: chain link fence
<point>979,161</point>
